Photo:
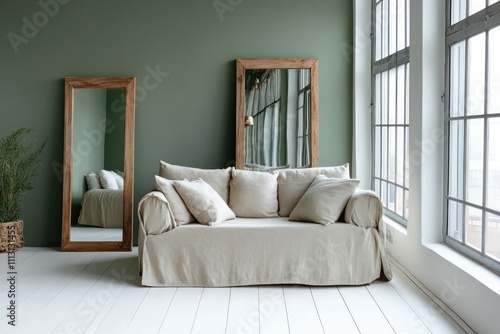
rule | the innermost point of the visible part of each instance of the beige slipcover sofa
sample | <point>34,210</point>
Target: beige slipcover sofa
<point>230,227</point>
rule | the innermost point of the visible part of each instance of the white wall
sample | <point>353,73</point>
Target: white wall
<point>466,287</point>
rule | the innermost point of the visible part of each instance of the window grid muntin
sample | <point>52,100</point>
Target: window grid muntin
<point>482,21</point>
<point>386,68</point>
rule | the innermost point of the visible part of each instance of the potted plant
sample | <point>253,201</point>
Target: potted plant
<point>19,162</point>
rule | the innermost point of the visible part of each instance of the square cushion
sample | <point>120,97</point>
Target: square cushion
<point>324,200</point>
<point>203,201</point>
<point>293,183</point>
<point>92,180</point>
<point>218,179</point>
<point>108,180</point>
<point>119,180</point>
<point>253,194</point>
<point>180,211</point>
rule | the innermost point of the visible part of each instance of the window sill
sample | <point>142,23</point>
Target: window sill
<point>477,271</point>
<point>482,274</point>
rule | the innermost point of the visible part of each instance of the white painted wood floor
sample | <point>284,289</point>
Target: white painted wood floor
<point>96,292</point>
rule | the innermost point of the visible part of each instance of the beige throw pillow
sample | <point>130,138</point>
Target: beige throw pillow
<point>217,178</point>
<point>203,201</point>
<point>293,183</point>
<point>324,200</point>
<point>253,194</point>
<point>179,209</point>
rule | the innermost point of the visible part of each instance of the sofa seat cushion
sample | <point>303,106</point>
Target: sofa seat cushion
<point>250,251</point>
<point>253,194</point>
<point>293,183</point>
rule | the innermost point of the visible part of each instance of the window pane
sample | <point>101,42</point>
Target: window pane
<point>378,31</point>
<point>384,153</point>
<point>392,96</point>
<point>494,164</point>
<point>391,197</point>
<point>475,74</point>
<point>455,219</point>
<point>392,154</point>
<point>457,10</point>
<point>400,162</point>
<point>406,209</point>
<point>399,201</point>
<point>384,96</point>
<point>401,31</point>
<point>474,221</point>
<point>476,5</point>
<point>383,193</point>
<point>377,102</point>
<point>494,72</point>
<point>408,23</point>
<point>385,28</point>
<point>377,152</point>
<point>457,79</point>
<point>475,148</point>
<point>456,156</point>
<point>401,81</point>
<point>393,27</point>
<point>407,93</point>
<point>407,162</point>
<point>493,236</point>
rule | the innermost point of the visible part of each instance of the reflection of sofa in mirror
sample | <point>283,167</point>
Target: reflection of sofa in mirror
<point>102,203</point>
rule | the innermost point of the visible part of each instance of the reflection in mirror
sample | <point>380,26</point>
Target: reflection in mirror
<point>97,178</point>
<point>98,164</point>
<point>276,113</point>
<point>278,101</point>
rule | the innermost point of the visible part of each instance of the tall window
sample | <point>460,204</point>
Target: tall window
<point>473,129</point>
<point>390,72</point>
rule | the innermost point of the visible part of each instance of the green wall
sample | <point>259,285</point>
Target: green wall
<point>183,56</point>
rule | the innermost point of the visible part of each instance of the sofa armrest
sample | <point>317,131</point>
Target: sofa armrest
<point>364,209</point>
<point>155,216</point>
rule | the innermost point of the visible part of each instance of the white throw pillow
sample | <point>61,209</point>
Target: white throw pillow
<point>179,209</point>
<point>324,200</point>
<point>293,183</point>
<point>119,180</point>
<point>253,194</point>
<point>217,178</point>
<point>108,180</point>
<point>203,201</point>
<point>92,180</point>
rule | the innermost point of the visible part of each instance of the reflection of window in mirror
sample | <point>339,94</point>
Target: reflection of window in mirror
<point>279,101</point>
<point>98,145</point>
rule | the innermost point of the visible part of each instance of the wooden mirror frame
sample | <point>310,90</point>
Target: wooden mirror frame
<point>243,64</point>
<point>128,180</point>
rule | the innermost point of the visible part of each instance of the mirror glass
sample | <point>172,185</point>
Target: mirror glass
<point>98,152</point>
<point>98,163</point>
<point>277,113</point>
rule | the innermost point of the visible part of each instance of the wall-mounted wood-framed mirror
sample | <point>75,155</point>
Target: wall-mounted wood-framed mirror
<point>276,112</point>
<point>98,164</point>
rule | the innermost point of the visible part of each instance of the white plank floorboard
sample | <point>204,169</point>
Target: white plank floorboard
<point>396,310</point>
<point>97,292</point>
<point>212,312</point>
<point>181,314</point>
<point>243,312</point>
<point>112,284</point>
<point>433,316</point>
<point>302,314</point>
<point>365,312</point>
<point>149,317</point>
<point>272,310</point>
<point>333,311</point>
<point>125,306</point>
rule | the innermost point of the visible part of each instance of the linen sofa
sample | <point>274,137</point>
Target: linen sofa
<point>228,227</point>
